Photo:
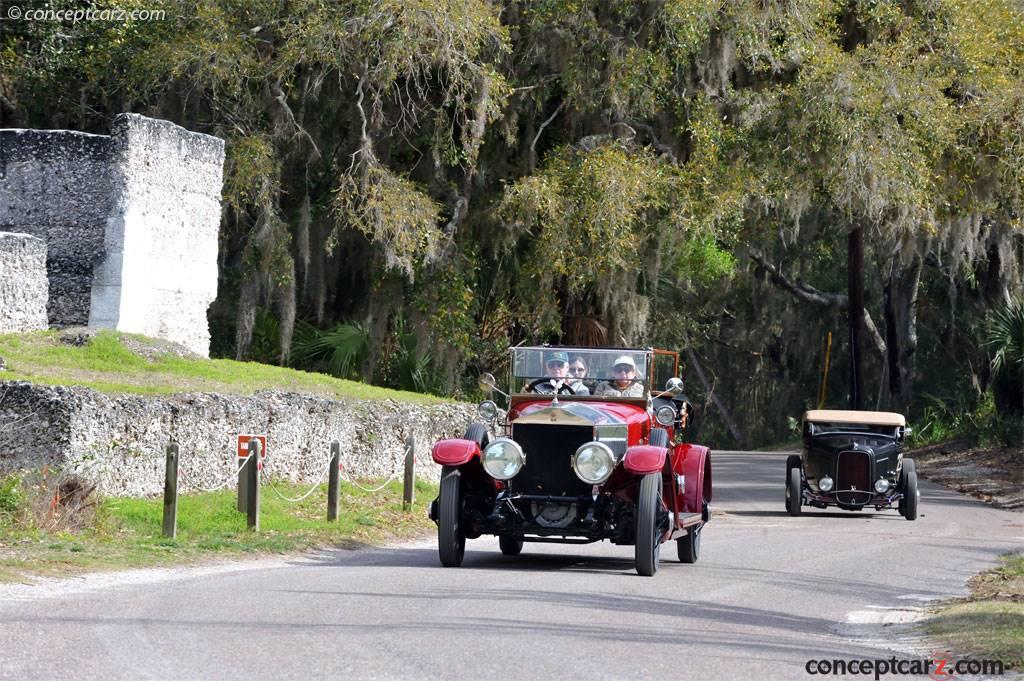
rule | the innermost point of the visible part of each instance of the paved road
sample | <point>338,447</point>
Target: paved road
<point>769,593</point>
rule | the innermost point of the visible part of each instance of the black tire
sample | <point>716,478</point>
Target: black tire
<point>510,545</point>
<point>908,506</point>
<point>477,432</point>
<point>659,437</point>
<point>648,538</point>
<point>451,533</point>
<point>688,547</point>
<point>794,492</point>
<point>792,461</point>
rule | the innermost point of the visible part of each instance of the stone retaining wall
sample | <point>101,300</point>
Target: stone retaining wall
<point>118,441</point>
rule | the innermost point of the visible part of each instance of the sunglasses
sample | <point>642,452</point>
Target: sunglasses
<point>578,370</point>
<point>623,369</point>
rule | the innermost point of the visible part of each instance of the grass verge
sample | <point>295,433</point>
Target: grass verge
<point>113,362</point>
<point>989,623</point>
<point>126,533</point>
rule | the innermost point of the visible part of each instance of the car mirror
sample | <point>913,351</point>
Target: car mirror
<point>487,382</point>
<point>674,385</point>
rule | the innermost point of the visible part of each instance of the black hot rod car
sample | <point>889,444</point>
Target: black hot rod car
<point>585,452</point>
<point>853,460</point>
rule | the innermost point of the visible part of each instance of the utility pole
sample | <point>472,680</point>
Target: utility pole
<point>855,293</point>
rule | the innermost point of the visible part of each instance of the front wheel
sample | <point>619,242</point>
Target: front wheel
<point>908,506</point>
<point>510,545</point>
<point>794,492</point>
<point>688,547</point>
<point>648,538</point>
<point>451,533</point>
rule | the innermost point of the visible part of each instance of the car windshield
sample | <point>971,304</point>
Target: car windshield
<point>605,369</point>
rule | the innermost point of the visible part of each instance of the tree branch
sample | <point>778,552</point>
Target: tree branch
<point>809,294</point>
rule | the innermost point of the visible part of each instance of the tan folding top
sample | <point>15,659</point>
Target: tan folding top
<point>868,418</point>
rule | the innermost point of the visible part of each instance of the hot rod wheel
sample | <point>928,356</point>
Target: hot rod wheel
<point>648,538</point>
<point>451,533</point>
<point>794,492</point>
<point>908,505</point>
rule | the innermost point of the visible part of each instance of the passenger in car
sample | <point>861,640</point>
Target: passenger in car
<point>624,383</point>
<point>577,372</point>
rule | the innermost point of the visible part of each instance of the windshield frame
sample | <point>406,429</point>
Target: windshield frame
<point>517,380</point>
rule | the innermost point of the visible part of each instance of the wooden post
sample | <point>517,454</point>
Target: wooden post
<point>252,476</point>
<point>171,492</point>
<point>243,483</point>
<point>409,488</point>
<point>333,488</point>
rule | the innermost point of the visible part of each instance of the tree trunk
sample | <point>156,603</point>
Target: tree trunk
<point>900,300</point>
<point>855,285</point>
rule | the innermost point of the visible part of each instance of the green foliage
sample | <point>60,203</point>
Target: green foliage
<point>389,210</point>
<point>1006,338</point>
<point>339,351</point>
<point>12,498</point>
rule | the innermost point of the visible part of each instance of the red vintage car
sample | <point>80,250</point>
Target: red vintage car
<point>587,450</point>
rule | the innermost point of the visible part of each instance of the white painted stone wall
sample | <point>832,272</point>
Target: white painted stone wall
<point>160,272</point>
<point>131,222</point>
<point>23,283</point>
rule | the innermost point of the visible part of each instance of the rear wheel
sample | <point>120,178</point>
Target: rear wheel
<point>908,506</point>
<point>510,545</point>
<point>648,538</point>
<point>793,492</point>
<point>688,547</point>
<point>451,533</point>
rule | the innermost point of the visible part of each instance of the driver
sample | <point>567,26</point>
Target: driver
<point>625,383</point>
<point>556,366</point>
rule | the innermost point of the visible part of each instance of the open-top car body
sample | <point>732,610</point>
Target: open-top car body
<point>578,459</point>
<point>852,460</point>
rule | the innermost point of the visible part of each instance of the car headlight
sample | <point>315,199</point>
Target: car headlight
<point>825,484</point>
<point>503,458</point>
<point>665,415</point>
<point>487,410</point>
<point>881,485</point>
<point>593,462</point>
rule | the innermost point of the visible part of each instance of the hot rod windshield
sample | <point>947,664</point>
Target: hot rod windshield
<point>592,366</point>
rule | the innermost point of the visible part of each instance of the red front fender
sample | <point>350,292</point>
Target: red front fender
<point>696,461</point>
<point>644,459</point>
<point>455,452</point>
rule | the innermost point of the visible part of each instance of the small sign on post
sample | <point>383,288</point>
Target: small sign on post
<point>242,447</point>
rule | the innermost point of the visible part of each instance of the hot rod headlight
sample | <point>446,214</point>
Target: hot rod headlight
<point>593,462</point>
<point>503,458</point>
<point>825,484</point>
<point>881,485</point>
<point>665,415</point>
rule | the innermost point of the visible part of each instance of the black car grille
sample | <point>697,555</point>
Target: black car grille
<point>549,451</point>
<point>853,477</point>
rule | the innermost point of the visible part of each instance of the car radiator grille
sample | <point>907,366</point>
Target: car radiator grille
<point>549,450</point>
<point>853,482</point>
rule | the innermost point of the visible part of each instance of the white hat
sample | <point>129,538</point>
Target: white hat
<point>625,359</point>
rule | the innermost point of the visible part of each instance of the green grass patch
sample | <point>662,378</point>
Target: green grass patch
<point>126,533</point>
<point>990,623</point>
<point>108,363</point>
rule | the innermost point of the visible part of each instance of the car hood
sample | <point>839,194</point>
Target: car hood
<point>576,413</point>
